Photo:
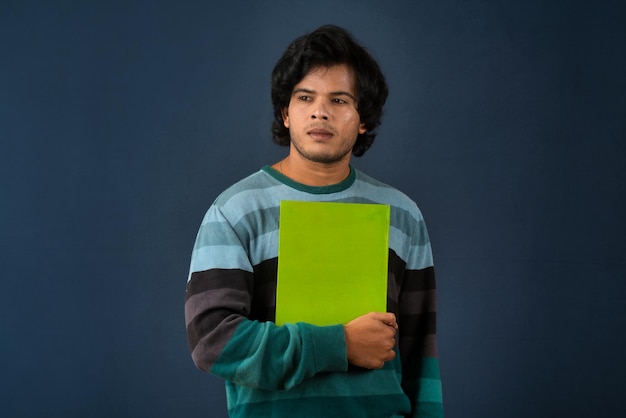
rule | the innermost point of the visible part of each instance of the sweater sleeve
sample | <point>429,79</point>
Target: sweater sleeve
<point>222,338</point>
<point>417,307</point>
<point>418,348</point>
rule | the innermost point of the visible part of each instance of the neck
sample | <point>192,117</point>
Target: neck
<point>313,173</point>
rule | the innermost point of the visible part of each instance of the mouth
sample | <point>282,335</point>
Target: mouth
<point>320,134</point>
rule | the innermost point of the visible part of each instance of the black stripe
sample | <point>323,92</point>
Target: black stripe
<point>203,281</point>
<point>419,280</point>
<point>424,323</point>
<point>413,347</point>
<point>264,298</point>
<point>215,302</point>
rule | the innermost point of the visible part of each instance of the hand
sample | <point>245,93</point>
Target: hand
<point>370,339</point>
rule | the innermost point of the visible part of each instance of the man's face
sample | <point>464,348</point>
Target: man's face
<point>322,115</point>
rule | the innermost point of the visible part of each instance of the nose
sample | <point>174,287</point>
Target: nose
<point>319,111</point>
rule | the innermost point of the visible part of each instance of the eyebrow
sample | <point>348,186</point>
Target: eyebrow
<point>334,93</point>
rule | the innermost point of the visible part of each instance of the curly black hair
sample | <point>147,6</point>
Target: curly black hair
<point>327,46</point>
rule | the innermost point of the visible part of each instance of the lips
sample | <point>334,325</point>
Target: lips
<point>320,133</point>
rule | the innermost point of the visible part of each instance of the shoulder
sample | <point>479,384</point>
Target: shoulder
<point>408,236</point>
<point>249,195</point>
<point>252,185</point>
<point>386,194</point>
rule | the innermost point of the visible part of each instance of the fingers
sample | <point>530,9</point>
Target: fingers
<point>371,339</point>
<point>387,318</point>
<point>391,355</point>
<point>388,356</point>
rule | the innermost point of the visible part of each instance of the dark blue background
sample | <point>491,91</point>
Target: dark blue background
<point>121,121</point>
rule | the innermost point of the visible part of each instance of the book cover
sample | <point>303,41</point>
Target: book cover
<point>332,261</point>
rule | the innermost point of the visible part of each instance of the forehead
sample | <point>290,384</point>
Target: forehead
<point>339,76</point>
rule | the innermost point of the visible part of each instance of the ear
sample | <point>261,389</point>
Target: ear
<point>362,129</point>
<point>285,117</point>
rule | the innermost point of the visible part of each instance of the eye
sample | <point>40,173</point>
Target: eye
<point>339,101</point>
<point>304,98</point>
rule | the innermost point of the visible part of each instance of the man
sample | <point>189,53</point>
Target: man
<point>328,94</point>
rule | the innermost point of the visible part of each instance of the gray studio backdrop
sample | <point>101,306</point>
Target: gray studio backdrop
<point>121,121</point>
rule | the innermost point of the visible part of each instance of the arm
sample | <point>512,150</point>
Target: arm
<point>418,350</point>
<point>414,299</point>
<point>222,338</point>
<point>366,341</point>
<point>252,353</point>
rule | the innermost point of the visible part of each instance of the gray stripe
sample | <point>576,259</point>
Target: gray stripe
<point>427,346</point>
<point>208,348</point>
<point>414,228</point>
<point>231,299</point>
<point>258,222</point>
<point>421,301</point>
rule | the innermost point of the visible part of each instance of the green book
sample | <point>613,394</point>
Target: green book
<point>332,261</point>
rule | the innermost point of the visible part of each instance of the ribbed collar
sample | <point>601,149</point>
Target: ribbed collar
<point>332,188</point>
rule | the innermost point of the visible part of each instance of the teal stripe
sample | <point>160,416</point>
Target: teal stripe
<point>236,363</point>
<point>257,222</point>
<point>382,382</point>
<point>264,247</point>
<point>430,390</point>
<point>405,221</point>
<point>430,368</point>
<point>389,406</point>
<point>243,203</point>
<point>216,233</point>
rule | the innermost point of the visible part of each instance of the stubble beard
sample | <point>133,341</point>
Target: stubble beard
<point>319,157</point>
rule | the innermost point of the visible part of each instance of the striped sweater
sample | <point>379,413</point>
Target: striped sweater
<point>301,369</point>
